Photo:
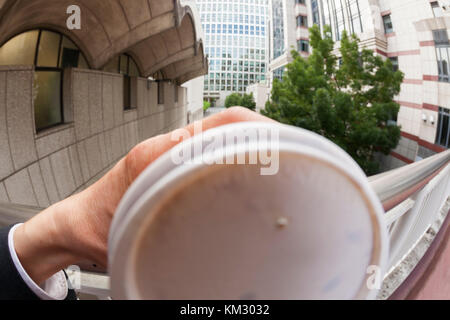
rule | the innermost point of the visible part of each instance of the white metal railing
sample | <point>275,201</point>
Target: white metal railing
<point>408,229</point>
<point>417,201</point>
<point>416,198</point>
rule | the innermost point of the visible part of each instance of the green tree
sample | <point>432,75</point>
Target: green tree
<point>350,102</point>
<point>236,100</point>
<point>206,105</point>
<point>233,100</point>
<point>248,101</point>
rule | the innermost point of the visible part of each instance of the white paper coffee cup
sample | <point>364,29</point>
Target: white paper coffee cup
<point>314,230</point>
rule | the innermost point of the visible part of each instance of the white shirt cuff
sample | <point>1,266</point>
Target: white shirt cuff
<point>55,288</point>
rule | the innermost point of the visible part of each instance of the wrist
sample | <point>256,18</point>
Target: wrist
<point>56,238</point>
<point>38,249</point>
<point>72,231</point>
<point>81,228</point>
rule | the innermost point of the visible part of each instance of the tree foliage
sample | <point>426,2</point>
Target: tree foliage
<point>206,105</point>
<point>349,101</point>
<point>233,100</point>
<point>246,101</point>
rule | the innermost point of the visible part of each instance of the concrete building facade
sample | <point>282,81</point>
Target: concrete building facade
<point>236,44</point>
<point>74,102</point>
<point>261,94</point>
<point>412,33</point>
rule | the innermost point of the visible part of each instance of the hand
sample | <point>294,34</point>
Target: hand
<point>76,229</point>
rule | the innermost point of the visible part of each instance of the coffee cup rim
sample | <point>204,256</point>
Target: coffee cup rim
<point>170,174</point>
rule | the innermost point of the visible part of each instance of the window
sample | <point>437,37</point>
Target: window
<point>437,10</point>
<point>128,68</point>
<point>302,21</point>
<point>303,45</point>
<point>443,59</point>
<point>443,130</point>
<point>440,37</point>
<point>340,15</point>
<point>125,65</point>
<point>315,12</point>
<point>355,13</point>
<point>160,92</point>
<point>278,28</point>
<point>388,27</point>
<point>50,53</point>
<point>20,50</point>
<point>442,45</point>
<point>48,110</point>
<point>300,1</point>
<point>70,56</point>
<point>394,61</point>
<point>278,73</point>
<point>48,49</point>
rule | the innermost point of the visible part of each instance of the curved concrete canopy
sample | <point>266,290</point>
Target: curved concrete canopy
<point>162,49</point>
<point>157,33</point>
<point>183,70</point>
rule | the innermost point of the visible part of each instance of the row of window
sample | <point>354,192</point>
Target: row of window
<point>441,41</point>
<point>225,84</point>
<point>241,70</point>
<point>234,18</point>
<point>234,83</point>
<point>51,53</point>
<point>228,84</point>
<point>235,87</point>
<point>234,29</point>
<point>229,75</point>
<point>442,45</point>
<point>250,6</point>
<point>236,53</point>
<point>230,42</point>
<point>224,40</point>
<point>340,15</point>
<point>240,75</point>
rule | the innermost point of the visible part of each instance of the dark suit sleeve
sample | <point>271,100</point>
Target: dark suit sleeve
<point>12,286</point>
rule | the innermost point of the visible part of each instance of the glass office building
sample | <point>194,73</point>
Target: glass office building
<point>236,43</point>
<point>341,15</point>
<point>278,28</point>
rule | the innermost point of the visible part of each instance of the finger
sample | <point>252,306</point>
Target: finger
<point>150,150</point>
<point>232,115</point>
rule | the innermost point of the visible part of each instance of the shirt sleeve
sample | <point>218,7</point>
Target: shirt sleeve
<point>55,288</point>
